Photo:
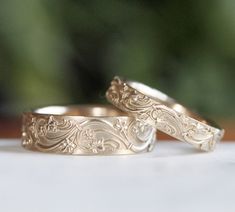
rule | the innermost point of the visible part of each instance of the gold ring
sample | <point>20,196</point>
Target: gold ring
<point>85,130</point>
<point>164,113</point>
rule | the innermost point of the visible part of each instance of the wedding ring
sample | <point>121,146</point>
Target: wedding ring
<point>85,130</point>
<point>163,113</point>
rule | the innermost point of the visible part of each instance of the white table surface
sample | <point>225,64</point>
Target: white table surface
<point>174,177</point>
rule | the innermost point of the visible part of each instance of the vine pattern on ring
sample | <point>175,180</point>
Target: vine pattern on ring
<point>164,118</point>
<point>88,136</point>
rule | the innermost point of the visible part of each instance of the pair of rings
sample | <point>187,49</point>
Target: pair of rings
<point>127,127</point>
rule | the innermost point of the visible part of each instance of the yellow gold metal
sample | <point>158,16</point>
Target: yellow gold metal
<point>164,113</point>
<point>85,130</point>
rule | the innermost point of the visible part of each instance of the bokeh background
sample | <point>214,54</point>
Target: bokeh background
<point>67,51</point>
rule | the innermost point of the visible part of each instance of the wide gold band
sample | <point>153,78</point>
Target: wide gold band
<point>164,113</point>
<point>85,130</point>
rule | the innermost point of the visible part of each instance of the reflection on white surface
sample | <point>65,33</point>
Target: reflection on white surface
<point>174,177</point>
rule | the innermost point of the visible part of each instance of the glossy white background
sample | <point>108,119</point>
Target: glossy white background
<point>174,177</point>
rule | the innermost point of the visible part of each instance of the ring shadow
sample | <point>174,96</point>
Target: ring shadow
<point>161,150</point>
<point>174,148</point>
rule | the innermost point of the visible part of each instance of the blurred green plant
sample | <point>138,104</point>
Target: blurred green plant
<point>66,51</point>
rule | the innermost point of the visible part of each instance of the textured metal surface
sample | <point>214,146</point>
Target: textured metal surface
<point>164,113</point>
<point>79,134</point>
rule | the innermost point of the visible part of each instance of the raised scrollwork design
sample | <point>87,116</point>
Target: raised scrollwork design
<point>68,135</point>
<point>149,109</point>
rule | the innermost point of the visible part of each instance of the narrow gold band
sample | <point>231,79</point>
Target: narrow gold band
<point>164,113</point>
<point>85,130</point>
